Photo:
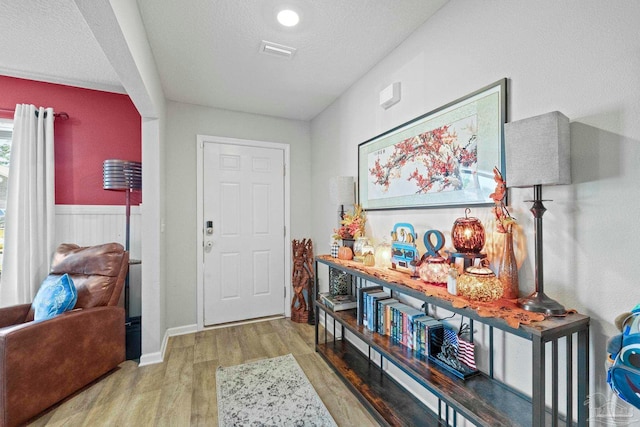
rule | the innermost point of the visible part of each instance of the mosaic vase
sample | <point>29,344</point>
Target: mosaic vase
<point>508,269</point>
<point>338,282</point>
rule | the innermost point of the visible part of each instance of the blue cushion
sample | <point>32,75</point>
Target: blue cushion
<point>56,295</point>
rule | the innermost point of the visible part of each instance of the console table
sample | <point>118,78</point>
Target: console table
<point>481,399</point>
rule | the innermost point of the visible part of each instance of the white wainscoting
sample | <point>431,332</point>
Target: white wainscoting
<point>88,225</point>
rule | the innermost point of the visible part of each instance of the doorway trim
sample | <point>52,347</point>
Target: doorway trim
<point>199,226</point>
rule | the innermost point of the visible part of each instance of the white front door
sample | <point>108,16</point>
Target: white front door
<point>244,250</point>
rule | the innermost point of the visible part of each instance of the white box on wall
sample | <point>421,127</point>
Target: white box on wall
<point>390,95</point>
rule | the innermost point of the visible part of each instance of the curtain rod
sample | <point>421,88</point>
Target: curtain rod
<point>62,115</point>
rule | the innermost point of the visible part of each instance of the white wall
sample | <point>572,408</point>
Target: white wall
<point>184,123</point>
<point>578,57</point>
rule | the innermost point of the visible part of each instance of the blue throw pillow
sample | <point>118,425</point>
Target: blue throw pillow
<point>56,295</point>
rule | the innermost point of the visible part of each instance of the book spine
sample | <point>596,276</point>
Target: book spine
<point>374,323</point>
<point>393,324</point>
<point>369,311</point>
<point>328,303</point>
<point>343,306</point>
<point>427,340</point>
<point>364,308</point>
<point>412,333</point>
<point>400,327</point>
<point>387,320</point>
<point>405,330</point>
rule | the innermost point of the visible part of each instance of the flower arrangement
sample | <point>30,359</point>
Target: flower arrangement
<point>352,224</point>
<point>504,220</point>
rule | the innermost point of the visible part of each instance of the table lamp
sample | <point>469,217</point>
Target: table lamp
<point>341,191</point>
<point>538,153</point>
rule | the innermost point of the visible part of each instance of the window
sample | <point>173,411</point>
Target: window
<point>6,133</point>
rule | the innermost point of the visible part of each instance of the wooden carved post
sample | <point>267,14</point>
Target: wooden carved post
<point>302,280</point>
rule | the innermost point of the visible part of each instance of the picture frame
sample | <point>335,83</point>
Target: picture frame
<point>443,158</point>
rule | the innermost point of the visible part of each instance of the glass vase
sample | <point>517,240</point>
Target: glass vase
<point>508,269</point>
<point>359,244</point>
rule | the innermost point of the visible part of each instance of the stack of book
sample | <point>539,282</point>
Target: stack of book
<point>422,327</point>
<point>407,326</point>
<point>384,315</point>
<point>338,302</point>
<point>370,311</point>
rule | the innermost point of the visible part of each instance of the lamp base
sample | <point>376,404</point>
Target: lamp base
<point>540,303</point>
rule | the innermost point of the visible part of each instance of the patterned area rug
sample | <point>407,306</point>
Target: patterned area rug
<point>270,392</point>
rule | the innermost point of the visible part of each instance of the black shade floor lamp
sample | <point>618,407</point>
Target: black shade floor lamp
<point>123,175</point>
<point>538,153</point>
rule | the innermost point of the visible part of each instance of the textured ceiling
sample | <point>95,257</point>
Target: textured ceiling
<point>50,41</point>
<point>207,51</point>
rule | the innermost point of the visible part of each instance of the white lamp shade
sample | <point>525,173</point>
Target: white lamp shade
<point>341,190</point>
<point>537,151</point>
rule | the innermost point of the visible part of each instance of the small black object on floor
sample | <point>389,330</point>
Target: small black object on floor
<point>133,338</point>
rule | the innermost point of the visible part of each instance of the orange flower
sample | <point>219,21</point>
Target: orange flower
<point>352,225</point>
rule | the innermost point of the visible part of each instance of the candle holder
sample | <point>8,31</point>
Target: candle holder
<point>467,234</point>
<point>462,260</point>
<point>468,238</point>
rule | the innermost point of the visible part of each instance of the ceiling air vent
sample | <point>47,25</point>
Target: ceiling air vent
<point>275,49</point>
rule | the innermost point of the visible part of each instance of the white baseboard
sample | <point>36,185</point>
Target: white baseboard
<point>158,357</point>
<point>181,330</point>
<point>150,359</point>
<point>244,322</point>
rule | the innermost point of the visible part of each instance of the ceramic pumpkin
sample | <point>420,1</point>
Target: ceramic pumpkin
<point>369,259</point>
<point>345,253</point>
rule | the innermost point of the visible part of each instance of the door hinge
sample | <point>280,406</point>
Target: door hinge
<point>284,169</point>
<point>285,291</point>
<point>285,231</point>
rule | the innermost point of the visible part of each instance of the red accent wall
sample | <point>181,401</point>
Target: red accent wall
<point>101,125</point>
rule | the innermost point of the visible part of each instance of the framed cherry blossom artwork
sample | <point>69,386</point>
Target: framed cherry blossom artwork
<point>440,159</point>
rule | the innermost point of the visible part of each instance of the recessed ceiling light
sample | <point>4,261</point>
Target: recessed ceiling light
<point>288,18</point>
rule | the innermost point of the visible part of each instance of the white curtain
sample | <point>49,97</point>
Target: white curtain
<point>30,217</point>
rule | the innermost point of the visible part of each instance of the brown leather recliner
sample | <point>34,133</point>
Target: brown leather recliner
<point>41,363</point>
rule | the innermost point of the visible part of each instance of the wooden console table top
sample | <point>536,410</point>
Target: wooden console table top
<point>505,309</point>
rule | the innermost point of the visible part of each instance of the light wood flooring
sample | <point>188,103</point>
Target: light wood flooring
<point>181,391</point>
